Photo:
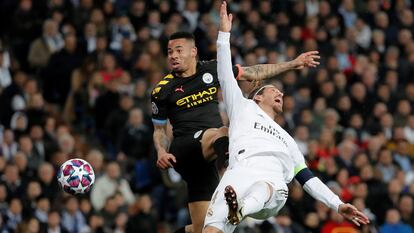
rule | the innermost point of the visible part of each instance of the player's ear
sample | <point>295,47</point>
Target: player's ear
<point>258,98</point>
<point>194,51</point>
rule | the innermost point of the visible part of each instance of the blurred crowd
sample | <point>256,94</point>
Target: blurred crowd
<point>75,80</point>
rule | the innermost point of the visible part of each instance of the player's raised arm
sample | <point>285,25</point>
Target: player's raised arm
<point>232,94</point>
<point>265,71</point>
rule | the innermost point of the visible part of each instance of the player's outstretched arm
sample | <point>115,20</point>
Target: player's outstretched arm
<point>265,71</point>
<point>318,190</point>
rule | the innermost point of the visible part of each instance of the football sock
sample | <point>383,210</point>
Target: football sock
<point>255,198</point>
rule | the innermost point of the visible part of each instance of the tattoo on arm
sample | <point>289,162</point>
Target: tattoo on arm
<point>161,140</point>
<point>264,71</point>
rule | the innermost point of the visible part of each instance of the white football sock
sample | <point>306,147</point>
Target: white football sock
<point>255,198</point>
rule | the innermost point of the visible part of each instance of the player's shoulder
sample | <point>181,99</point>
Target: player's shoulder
<point>209,66</point>
<point>209,63</point>
<point>162,86</point>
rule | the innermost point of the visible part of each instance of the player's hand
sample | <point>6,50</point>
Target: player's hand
<point>351,213</point>
<point>165,160</point>
<point>225,19</point>
<point>308,59</point>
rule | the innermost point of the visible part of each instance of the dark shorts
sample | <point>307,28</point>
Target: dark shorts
<point>201,176</point>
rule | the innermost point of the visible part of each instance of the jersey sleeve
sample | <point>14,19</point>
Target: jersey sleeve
<point>159,107</point>
<point>297,156</point>
<point>312,185</point>
<point>232,95</point>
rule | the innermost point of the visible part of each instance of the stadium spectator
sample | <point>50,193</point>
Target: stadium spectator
<point>4,205</point>
<point>43,47</point>
<point>30,225</point>
<point>135,136</point>
<point>385,165</point>
<point>9,145</point>
<point>394,224</point>
<point>33,191</point>
<point>48,182</point>
<point>96,159</point>
<point>118,118</point>
<point>95,224</point>
<point>13,217</point>
<point>405,207</point>
<point>5,75</point>
<point>108,184</point>
<point>336,222</point>
<point>72,218</point>
<point>141,219</point>
<point>121,28</point>
<point>82,12</point>
<point>53,223</point>
<point>109,212</point>
<point>13,182</point>
<point>59,69</point>
<point>120,223</point>
<point>42,209</point>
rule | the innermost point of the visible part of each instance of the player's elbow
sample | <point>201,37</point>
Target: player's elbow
<point>304,175</point>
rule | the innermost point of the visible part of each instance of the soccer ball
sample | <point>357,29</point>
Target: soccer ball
<point>76,176</point>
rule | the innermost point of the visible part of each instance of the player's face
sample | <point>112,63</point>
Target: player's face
<point>181,54</point>
<point>273,97</point>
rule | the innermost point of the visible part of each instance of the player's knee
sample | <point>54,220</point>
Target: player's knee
<point>209,229</point>
<point>270,189</point>
<point>263,186</point>
<point>222,132</point>
<point>189,229</point>
<point>198,226</point>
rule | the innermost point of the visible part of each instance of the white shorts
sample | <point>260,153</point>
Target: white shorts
<point>241,176</point>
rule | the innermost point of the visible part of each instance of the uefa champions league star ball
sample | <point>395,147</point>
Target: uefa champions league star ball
<point>76,176</point>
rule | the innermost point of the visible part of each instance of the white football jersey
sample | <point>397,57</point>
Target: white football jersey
<point>251,130</point>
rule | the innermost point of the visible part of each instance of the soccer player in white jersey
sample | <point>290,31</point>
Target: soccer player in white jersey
<point>263,156</point>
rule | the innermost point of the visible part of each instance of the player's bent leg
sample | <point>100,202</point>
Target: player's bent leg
<point>256,197</point>
<point>198,212</point>
<point>211,229</point>
<point>251,203</point>
<point>214,142</point>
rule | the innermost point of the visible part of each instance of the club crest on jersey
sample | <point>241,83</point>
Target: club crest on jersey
<point>207,78</point>
<point>210,212</point>
<point>154,108</point>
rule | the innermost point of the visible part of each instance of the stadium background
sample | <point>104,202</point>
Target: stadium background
<point>75,77</point>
